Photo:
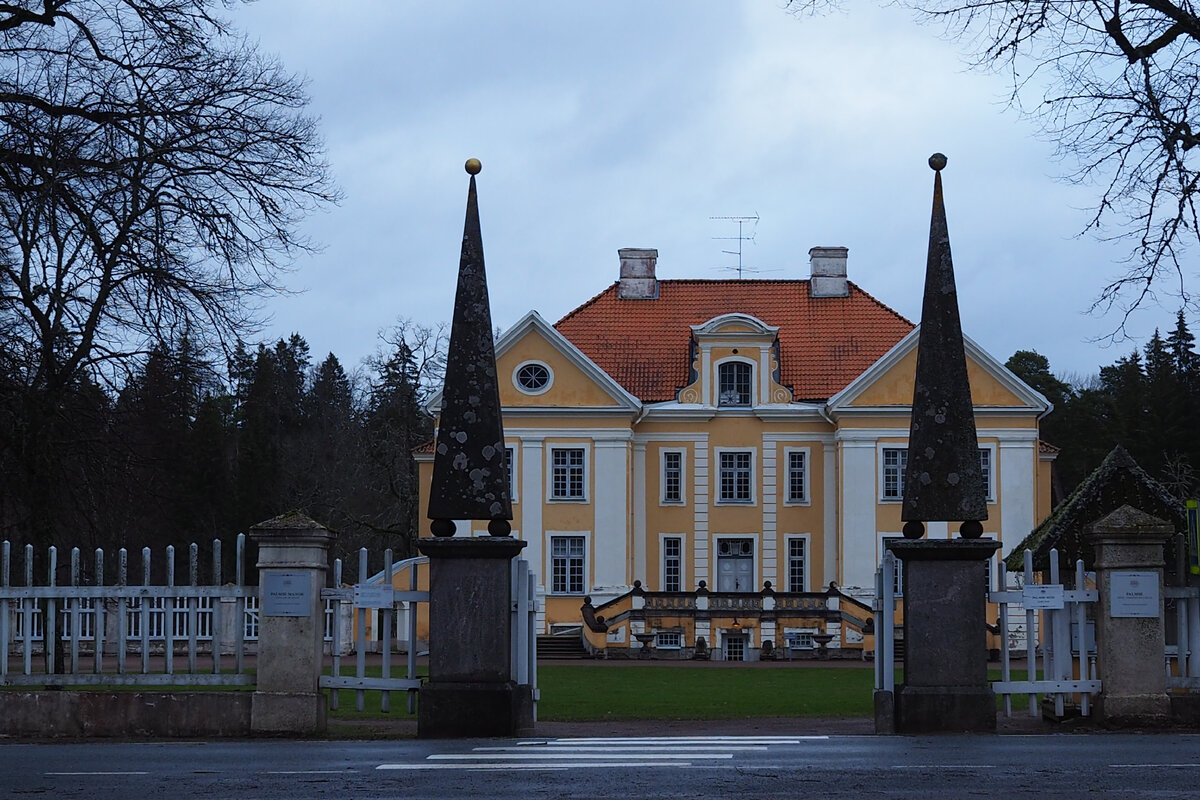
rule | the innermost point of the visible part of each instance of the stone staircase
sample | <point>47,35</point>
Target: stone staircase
<point>564,647</point>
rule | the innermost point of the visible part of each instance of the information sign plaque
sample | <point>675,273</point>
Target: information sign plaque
<point>286,594</point>
<point>1133,594</point>
<point>1039,596</point>
<point>373,595</point>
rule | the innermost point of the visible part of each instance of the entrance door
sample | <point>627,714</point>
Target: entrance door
<point>735,648</point>
<point>735,565</point>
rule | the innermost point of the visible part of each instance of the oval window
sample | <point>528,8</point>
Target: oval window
<point>533,378</point>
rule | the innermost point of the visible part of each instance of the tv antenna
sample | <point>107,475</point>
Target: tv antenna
<point>741,237</point>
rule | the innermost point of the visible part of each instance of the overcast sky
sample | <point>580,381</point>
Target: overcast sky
<point>630,123</point>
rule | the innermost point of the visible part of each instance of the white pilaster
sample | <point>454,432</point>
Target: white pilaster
<point>1018,466</point>
<point>858,503</point>
<point>639,514</point>
<point>829,500</point>
<point>700,495</point>
<point>531,508</point>
<point>770,518</point>
<point>611,514</point>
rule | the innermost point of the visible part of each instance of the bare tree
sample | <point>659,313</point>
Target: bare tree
<point>1114,85</point>
<point>153,169</point>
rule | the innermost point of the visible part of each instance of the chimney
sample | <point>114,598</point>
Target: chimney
<point>828,272</point>
<point>637,274</point>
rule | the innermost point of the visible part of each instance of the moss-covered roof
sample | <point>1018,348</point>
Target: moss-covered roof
<point>1118,481</point>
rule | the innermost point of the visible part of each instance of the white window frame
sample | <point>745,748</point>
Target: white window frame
<point>587,473</point>
<point>532,392</point>
<point>674,637</point>
<point>787,476</point>
<point>512,450</point>
<point>587,561</point>
<point>662,476</point>
<point>787,560</point>
<point>662,560</point>
<point>751,365</point>
<point>990,563</point>
<point>802,636</point>
<point>718,453</point>
<point>991,473</point>
<point>883,468</point>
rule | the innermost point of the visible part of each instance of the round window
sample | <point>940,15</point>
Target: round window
<point>533,378</point>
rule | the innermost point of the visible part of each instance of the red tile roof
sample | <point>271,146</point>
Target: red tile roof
<point>824,342</point>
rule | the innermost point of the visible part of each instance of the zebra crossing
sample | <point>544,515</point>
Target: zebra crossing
<point>642,752</point>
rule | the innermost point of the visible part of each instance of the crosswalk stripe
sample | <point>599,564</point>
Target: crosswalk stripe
<point>535,766</point>
<point>633,748</point>
<point>553,755</point>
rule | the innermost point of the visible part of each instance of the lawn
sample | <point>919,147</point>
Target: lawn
<point>616,692</point>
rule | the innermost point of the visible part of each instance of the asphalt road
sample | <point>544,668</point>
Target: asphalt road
<point>1014,766</point>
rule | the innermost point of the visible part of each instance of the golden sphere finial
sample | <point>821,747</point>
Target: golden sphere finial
<point>937,162</point>
<point>473,166</point>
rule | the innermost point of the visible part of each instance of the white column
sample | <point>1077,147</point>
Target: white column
<point>610,542</point>
<point>858,514</point>
<point>533,497</point>
<point>639,515</point>
<point>1018,512</point>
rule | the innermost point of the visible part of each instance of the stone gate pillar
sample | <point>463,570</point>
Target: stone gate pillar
<point>1130,636</point>
<point>293,556</point>
<point>945,636</point>
<point>471,692</point>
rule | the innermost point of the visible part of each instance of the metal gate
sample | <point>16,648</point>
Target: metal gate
<point>1063,626</point>
<point>377,597</point>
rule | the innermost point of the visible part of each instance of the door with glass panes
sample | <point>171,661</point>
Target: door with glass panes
<point>735,565</point>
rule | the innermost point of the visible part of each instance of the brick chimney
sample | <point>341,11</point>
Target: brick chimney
<point>828,272</point>
<point>637,274</point>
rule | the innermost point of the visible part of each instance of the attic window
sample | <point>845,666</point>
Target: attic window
<point>533,377</point>
<point>734,381</point>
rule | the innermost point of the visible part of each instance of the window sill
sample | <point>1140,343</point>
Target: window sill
<point>796,503</point>
<point>736,503</point>
<point>566,500</point>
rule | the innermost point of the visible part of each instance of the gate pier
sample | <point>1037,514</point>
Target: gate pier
<point>471,692</point>
<point>945,685</point>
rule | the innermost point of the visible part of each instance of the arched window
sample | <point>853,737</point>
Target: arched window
<point>734,380</point>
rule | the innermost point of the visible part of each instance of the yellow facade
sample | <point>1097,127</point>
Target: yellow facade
<point>626,503</point>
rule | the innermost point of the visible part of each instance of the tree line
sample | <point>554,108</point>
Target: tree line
<point>192,448</point>
<point>1148,401</point>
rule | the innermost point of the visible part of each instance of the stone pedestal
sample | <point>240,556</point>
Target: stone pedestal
<point>1130,640</point>
<point>470,692</point>
<point>293,555</point>
<point>945,685</point>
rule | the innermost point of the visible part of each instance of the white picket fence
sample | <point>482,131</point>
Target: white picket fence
<point>1183,659</point>
<point>1059,614</point>
<point>1068,660</point>
<point>124,634</point>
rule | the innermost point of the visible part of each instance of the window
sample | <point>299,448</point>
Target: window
<point>532,377</point>
<point>567,473</point>
<point>801,639</point>
<point>985,468</point>
<point>668,640</point>
<point>797,564</point>
<point>567,554</point>
<point>672,476</point>
<point>735,486</point>
<point>672,554</point>
<point>797,476</point>
<point>734,383</point>
<point>510,464</point>
<point>895,459</point>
